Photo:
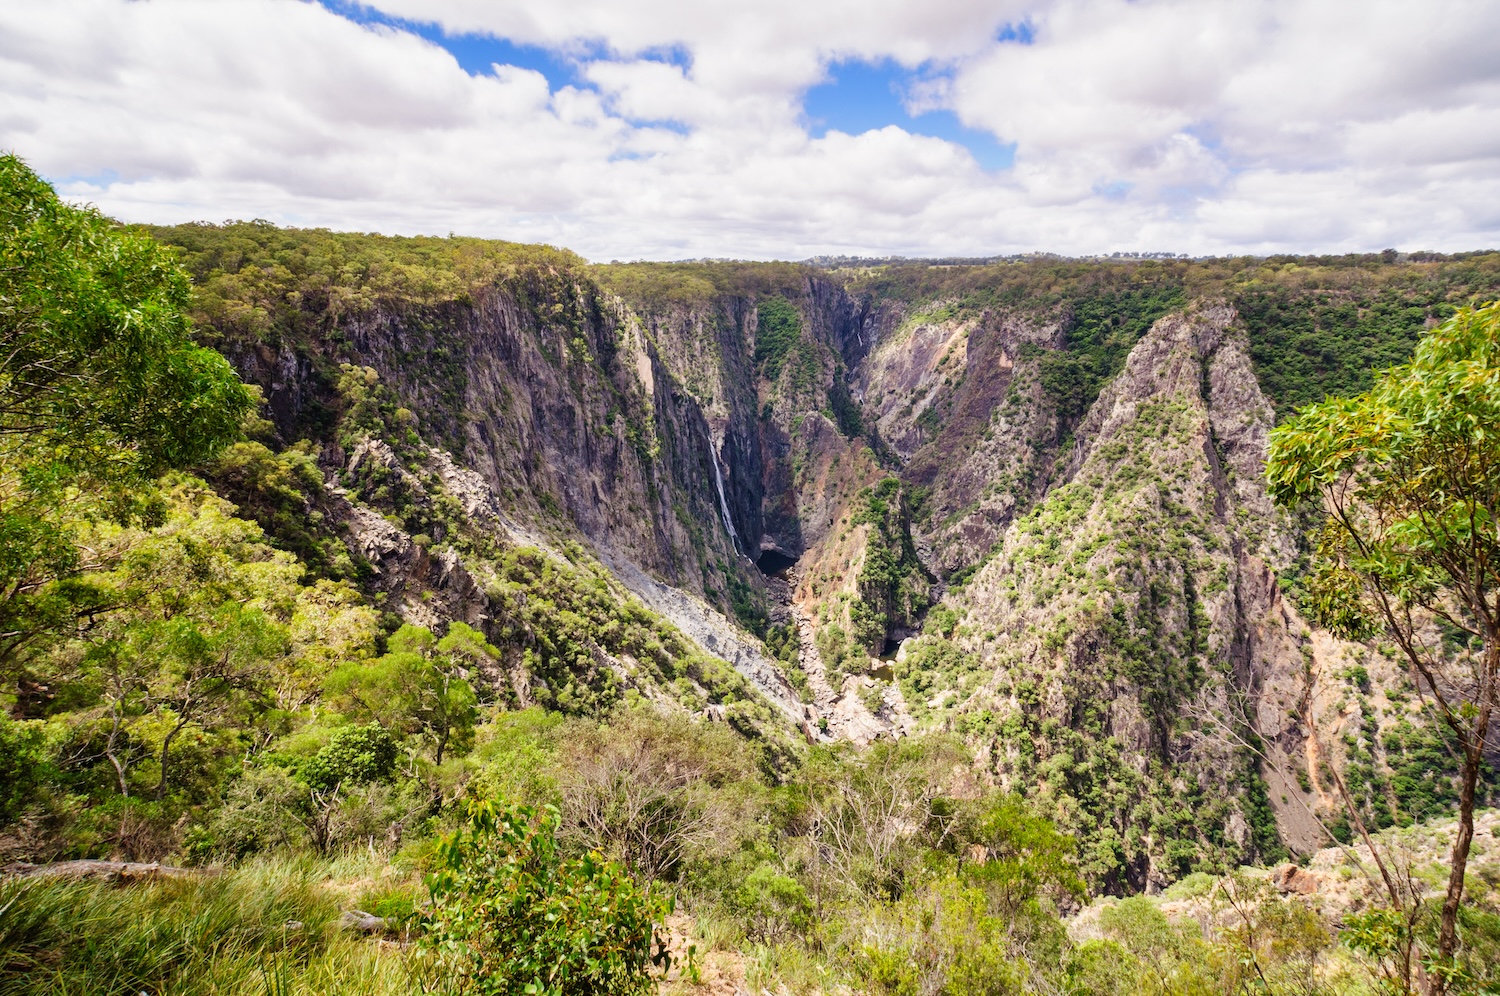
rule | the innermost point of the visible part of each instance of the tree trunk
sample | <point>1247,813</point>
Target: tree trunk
<point>166,746</point>
<point>114,760</point>
<point>322,816</point>
<point>1458,863</point>
<point>1448,932</point>
<point>110,871</point>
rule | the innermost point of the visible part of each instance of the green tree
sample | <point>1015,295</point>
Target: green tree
<point>204,666</point>
<point>1409,473</point>
<point>101,389</point>
<point>331,625</point>
<point>1015,855</point>
<point>353,755</point>
<point>22,761</point>
<point>197,627</point>
<point>419,687</point>
<point>510,914</point>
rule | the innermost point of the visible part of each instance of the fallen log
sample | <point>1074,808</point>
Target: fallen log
<point>109,871</point>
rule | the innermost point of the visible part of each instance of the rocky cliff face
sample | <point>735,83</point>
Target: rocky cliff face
<point>536,415</point>
<point>889,512</point>
<point>1124,648</point>
<point>961,404</point>
<point>1126,605</point>
<point>559,403</point>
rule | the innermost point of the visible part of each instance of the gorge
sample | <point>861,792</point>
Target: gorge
<point>1020,500</point>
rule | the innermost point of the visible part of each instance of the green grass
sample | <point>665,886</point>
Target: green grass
<point>231,933</point>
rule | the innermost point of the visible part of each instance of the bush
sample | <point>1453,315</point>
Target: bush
<point>352,756</point>
<point>263,810</point>
<point>645,790</point>
<point>21,760</point>
<point>509,914</point>
<point>772,905</point>
<point>941,939</point>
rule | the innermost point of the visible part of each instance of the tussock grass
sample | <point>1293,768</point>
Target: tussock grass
<point>235,933</point>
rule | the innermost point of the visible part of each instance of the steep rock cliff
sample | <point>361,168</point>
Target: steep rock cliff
<point>961,404</point>
<point>1104,653</point>
<point>535,412</point>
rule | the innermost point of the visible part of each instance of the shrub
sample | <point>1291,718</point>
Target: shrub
<point>772,905</point>
<point>644,790</point>
<point>510,914</point>
<point>940,939</point>
<point>353,755</point>
<point>21,759</point>
<point>263,810</point>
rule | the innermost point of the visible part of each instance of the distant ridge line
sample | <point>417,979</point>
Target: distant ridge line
<point>1386,256</point>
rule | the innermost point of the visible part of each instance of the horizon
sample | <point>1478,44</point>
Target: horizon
<point>827,261</point>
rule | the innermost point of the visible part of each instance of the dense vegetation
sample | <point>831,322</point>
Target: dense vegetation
<point>257,272</point>
<point>696,283</point>
<point>1318,325</point>
<point>778,328</point>
<point>873,871</point>
<point>1099,333</point>
<point>893,586</point>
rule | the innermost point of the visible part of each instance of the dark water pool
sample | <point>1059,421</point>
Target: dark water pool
<point>774,563</point>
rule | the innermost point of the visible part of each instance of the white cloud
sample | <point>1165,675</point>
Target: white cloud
<point>1188,125</point>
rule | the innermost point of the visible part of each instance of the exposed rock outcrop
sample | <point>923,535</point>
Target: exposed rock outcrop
<point>1129,623</point>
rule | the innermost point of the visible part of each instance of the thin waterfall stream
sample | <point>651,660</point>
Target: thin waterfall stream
<point>713,458</point>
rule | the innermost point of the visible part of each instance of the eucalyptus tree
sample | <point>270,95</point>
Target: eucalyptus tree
<point>199,636</point>
<point>1409,474</point>
<point>420,687</point>
<point>102,388</point>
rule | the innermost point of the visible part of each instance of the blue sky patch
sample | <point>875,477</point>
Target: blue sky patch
<point>673,55</point>
<point>475,53</point>
<point>665,124</point>
<point>1207,134</point>
<point>862,96</point>
<point>1021,34</point>
<point>104,178</point>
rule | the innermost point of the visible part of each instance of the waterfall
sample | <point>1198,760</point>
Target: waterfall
<point>713,458</point>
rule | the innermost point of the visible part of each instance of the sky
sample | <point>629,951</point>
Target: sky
<point>756,129</point>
